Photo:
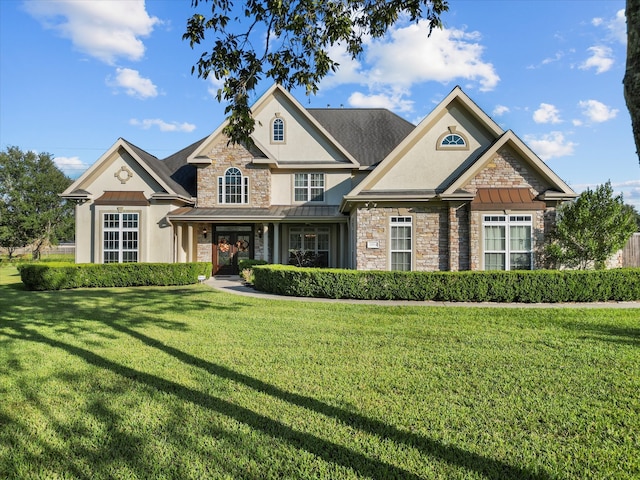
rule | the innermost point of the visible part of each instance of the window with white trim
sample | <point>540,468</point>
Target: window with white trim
<point>120,237</point>
<point>508,242</point>
<point>309,244</point>
<point>308,187</point>
<point>401,243</point>
<point>233,187</point>
<point>277,130</point>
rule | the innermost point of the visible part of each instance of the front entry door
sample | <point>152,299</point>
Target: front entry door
<point>229,248</point>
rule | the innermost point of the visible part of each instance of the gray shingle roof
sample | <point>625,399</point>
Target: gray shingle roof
<point>159,168</point>
<point>369,135</point>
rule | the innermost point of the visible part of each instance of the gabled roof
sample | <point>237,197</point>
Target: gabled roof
<point>368,134</point>
<point>159,171</point>
<point>197,157</point>
<point>456,96</point>
<point>181,171</point>
<point>509,139</point>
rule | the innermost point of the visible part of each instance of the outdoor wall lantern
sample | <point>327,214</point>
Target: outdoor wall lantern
<point>260,230</point>
<point>204,232</point>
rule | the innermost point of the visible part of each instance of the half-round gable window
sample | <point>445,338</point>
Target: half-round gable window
<point>452,140</point>
<point>277,130</point>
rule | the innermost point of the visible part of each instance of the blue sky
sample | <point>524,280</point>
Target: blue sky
<point>77,75</point>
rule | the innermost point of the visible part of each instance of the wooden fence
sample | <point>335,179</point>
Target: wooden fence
<point>631,252</point>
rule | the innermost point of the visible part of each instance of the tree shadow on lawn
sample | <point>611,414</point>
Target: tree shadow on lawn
<point>605,332</point>
<point>75,307</point>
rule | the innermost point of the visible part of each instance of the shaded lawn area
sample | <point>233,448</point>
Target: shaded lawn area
<point>187,382</point>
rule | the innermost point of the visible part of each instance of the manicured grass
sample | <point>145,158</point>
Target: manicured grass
<point>186,382</point>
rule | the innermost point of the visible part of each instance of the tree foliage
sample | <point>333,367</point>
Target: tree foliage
<point>590,229</point>
<point>31,210</point>
<point>632,74</point>
<point>287,41</point>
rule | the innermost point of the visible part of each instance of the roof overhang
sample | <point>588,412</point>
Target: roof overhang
<point>281,213</point>
<point>506,199</point>
<point>122,199</point>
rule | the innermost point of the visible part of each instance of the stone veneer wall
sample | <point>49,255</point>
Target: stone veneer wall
<point>430,237</point>
<point>505,170</point>
<point>224,156</point>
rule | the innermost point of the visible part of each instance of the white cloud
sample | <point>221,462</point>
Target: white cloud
<point>601,59</point>
<point>407,56</point>
<point>214,85</point>
<point>551,145</point>
<point>410,56</point>
<point>500,110</point>
<point>391,101</point>
<point>133,83</point>
<point>146,124</point>
<point>547,113</point>
<point>106,29</point>
<point>617,26</point>
<point>597,111</point>
<point>70,166</point>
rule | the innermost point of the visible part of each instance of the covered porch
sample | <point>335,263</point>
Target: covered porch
<point>278,234</point>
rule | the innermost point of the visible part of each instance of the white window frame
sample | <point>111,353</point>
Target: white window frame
<point>507,221</point>
<point>120,238</point>
<point>397,223</point>
<point>225,192</point>
<point>314,182</point>
<point>277,132</point>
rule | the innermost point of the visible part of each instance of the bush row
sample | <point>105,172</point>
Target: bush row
<point>57,276</point>
<point>548,286</point>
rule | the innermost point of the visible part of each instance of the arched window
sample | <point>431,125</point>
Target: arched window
<point>452,140</point>
<point>233,187</point>
<point>277,129</point>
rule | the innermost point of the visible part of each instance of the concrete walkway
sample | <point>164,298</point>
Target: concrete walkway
<point>235,285</point>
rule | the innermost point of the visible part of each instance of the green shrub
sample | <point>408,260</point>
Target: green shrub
<point>548,286</point>
<point>249,263</point>
<point>57,276</point>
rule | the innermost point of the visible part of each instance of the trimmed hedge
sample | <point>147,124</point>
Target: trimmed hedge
<point>548,286</point>
<point>58,276</point>
<point>249,263</point>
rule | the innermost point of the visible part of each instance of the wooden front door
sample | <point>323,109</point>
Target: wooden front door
<point>229,247</point>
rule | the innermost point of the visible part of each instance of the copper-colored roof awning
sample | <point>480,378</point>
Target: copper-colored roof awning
<point>128,199</point>
<point>505,199</point>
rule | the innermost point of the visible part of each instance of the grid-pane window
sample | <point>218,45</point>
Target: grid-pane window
<point>120,237</point>
<point>309,246</point>
<point>508,242</point>
<point>278,130</point>
<point>308,187</point>
<point>233,187</point>
<point>401,240</point>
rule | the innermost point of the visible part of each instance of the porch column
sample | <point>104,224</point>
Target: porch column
<point>276,243</point>
<point>342,246</point>
<point>190,242</point>
<point>265,242</point>
<point>179,247</point>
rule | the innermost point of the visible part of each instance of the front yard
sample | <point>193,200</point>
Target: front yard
<point>186,382</point>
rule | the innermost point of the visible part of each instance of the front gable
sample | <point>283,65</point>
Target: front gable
<point>121,168</point>
<point>285,135</point>
<point>508,163</point>
<point>424,162</point>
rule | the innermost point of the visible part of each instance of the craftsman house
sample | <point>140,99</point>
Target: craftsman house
<point>354,188</point>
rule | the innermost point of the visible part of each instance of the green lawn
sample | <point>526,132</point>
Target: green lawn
<point>187,382</point>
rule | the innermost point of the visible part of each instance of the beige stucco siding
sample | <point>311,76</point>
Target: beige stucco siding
<point>422,166</point>
<point>337,184</point>
<point>304,142</point>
